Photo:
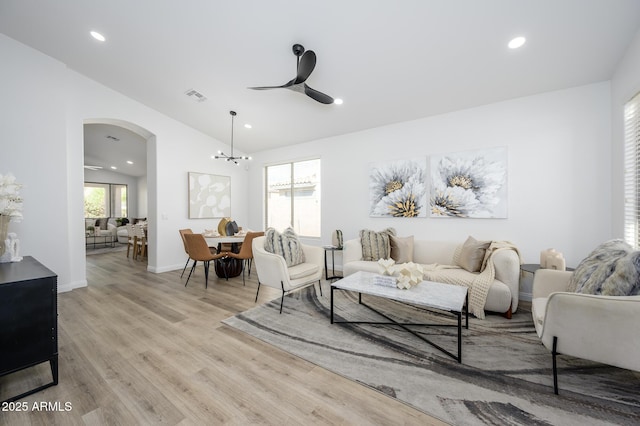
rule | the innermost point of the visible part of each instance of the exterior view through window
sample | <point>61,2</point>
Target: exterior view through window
<point>632,171</point>
<point>293,197</point>
<point>105,200</point>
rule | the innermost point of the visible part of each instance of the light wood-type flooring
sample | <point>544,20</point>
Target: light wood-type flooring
<point>140,348</point>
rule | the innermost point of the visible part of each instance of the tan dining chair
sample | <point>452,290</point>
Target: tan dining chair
<point>198,250</point>
<point>246,252</point>
<point>182,232</point>
<point>140,242</point>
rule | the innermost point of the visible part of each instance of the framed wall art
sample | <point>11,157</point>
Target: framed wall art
<point>398,189</point>
<point>471,184</point>
<point>209,196</point>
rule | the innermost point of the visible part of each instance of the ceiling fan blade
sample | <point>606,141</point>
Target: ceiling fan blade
<point>92,167</point>
<point>318,96</point>
<point>288,84</point>
<point>305,66</point>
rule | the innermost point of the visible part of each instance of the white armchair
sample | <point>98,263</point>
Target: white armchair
<point>272,269</point>
<point>598,328</point>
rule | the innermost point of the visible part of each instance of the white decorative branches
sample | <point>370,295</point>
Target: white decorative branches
<point>10,200</point>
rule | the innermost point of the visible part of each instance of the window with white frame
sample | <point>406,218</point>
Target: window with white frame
<point>632,172</point>
<point>293,197</point>
<point>105,200</point>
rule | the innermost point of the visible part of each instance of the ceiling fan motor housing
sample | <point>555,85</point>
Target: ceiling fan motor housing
<point>298,49</point>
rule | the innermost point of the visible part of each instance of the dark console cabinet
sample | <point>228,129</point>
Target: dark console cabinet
<point>28,319</point>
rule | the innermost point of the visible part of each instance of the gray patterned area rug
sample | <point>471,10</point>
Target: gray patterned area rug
<point>90,250</point>
<point>504,378</point>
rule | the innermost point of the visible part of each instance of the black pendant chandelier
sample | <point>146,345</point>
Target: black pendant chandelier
<point>222,155</point>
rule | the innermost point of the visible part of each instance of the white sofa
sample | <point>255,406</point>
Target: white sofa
<point>504,291</point>
<point>112,228</point>
<point>119,233</point>
<point>598,328</point>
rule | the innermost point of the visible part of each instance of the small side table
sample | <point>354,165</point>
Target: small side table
<point>533,267</point>
<point>333,250</point>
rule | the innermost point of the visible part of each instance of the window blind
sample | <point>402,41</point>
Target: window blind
<point>632,171</point>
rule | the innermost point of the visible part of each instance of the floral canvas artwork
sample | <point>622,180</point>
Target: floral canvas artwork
<point>398,189</point>
<point>209,196</point>
<point>469,184</point>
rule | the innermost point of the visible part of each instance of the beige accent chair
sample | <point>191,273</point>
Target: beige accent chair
<point>272,269</point>
<point>598,328</point>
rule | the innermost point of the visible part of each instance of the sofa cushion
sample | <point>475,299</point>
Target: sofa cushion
<point>472,254</point>
<point>401,248</point>
<point>102,223</point>
<point>302,270</point>
<point>376,245</point>
<point>360,265</point>
<point>286,245</point>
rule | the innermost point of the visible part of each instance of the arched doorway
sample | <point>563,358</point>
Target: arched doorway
<point>118,153</point>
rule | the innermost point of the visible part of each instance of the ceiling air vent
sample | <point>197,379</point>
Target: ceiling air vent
<point>196,95</point>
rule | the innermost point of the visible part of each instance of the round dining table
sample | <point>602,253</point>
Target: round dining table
<point>227,267</point>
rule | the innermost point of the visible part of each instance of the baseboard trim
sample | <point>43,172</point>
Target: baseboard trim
<point>161,269</point>
<point>63,288</point>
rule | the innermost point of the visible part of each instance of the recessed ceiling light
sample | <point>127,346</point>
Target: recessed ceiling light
<point>114,167</point>
<point>337,101</point>
<point>517,42</point>
<point>248,126</point>
<point>97,36</point>
<point>129,162</point>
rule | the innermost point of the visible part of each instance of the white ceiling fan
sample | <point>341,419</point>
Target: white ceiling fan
<point>92,167</point>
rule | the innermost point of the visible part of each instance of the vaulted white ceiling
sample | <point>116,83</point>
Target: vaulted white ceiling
<point>390,61</point>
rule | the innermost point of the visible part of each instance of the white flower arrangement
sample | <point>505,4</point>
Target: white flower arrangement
<point>10,200</point>
<point>407,274</point>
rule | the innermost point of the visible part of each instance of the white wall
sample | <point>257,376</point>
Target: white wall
<point>42,111</point>
<point>32,147</point>
<point>559,171</point>
<point>624,85</point>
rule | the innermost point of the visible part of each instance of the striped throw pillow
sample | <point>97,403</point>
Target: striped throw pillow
<point>375,245</point>
<point>286,245</point>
